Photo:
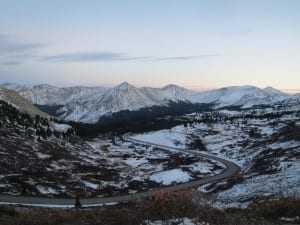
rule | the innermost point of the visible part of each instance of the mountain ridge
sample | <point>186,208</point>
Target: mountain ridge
<point>88,104</point>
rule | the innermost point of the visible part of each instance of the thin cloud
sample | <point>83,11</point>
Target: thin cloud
<point>176,58</point>
<point>236,32</point>
<point>91,57</point>
<point>15,52</point>
<point>11,63</point>
<point>11,47</point>
<point>115,56</point>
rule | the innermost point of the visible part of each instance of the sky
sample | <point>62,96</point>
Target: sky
<point>198,44</point>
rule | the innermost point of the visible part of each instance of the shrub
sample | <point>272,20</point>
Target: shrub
<point>283,207</point>
<point>164,205</point>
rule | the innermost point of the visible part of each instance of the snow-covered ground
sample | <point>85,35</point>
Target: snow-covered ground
<point>175,137</point>
<point>266,148</point>
<point>179,137</point>
<point>98,167</point>
<point>177,221</point>
<point>168,177</point>
<point>282,184</point>
<point>60,127</point>
<point>141,163</point>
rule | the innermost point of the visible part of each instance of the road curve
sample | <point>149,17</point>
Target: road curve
<point>230,170</point>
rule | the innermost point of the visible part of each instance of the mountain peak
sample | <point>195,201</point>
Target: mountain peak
<point>43,86</point>
<point>172,86</point>
<point>176,93</point>
<point>125,86</point>
<point>271,89</point>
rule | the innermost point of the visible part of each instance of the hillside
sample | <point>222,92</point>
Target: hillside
<point>20,102</point>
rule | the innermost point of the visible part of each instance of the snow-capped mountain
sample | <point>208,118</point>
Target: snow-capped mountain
<point>293,101</point>
<point>125,96</point>
<point>170,92</point>
<point>88,104</point>
<point>44,94</point>
<point>121,97</point>
<point>245,96</point>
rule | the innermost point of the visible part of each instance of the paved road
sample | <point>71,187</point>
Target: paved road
<point>231,170</point>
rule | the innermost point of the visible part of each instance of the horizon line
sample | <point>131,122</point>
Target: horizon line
<point>190,87</point>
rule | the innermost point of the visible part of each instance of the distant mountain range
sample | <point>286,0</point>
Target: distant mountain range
<point>88,104</point>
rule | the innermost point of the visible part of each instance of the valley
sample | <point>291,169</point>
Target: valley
<point>149,112</point>
<point>229,156</point>
<point>96,168</point>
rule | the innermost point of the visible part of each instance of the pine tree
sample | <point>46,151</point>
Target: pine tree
<point>77,202</point>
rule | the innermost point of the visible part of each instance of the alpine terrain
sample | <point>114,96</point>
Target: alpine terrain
<point>233,147</point>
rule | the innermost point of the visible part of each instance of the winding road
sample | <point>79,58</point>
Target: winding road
<point>230,170</point>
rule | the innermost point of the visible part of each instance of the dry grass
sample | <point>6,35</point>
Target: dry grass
<point>283,207</point>
<point>162,206</point>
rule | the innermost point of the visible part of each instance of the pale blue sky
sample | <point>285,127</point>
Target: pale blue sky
<point>193,43</point>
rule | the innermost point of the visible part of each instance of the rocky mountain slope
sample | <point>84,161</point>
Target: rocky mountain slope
<point>20,102</point>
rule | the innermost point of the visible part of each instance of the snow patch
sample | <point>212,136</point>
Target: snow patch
<point>46,190</point>
<point>60,127</point>
<point>169,176</point>
<point>90,185</point>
